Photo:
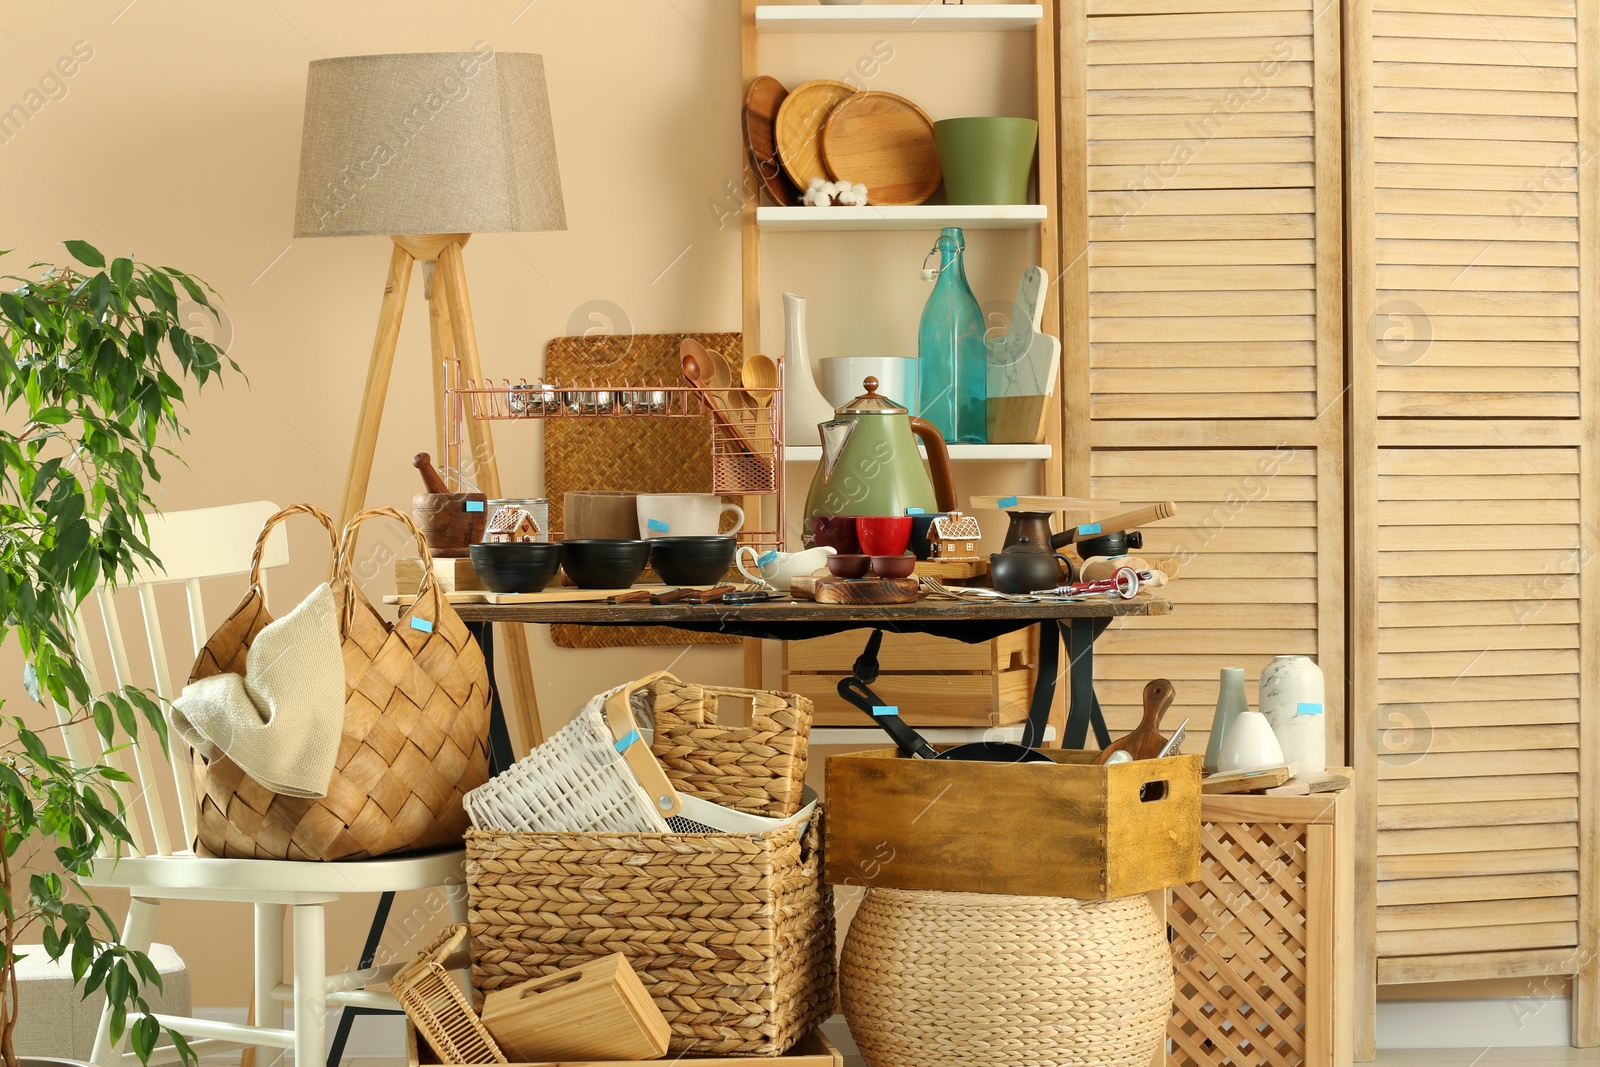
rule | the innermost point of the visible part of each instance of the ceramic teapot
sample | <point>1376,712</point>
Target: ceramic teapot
<point>778,569</point>
<point>870,464</point>
<point>1026,567</point>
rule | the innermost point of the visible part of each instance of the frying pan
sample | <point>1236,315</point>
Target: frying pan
<point>856,693</point>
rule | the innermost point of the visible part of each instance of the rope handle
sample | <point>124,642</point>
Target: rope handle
<point>266,528</point>
<point>346,560</point>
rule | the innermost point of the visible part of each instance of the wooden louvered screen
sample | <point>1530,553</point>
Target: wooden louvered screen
<point>1203,328</point>
<point>1472,203</point>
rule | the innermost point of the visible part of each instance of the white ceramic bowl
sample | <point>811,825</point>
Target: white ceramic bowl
<point>1250,745</point>
<point>897,379</point>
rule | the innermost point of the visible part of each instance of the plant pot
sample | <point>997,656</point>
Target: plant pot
<point>986,160</point>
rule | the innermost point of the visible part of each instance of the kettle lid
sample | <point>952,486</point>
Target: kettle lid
<point>871,403</point>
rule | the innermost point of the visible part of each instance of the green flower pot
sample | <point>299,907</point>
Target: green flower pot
<point>986,160</point>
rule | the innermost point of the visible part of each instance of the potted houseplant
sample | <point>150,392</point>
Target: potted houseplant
<point>94,359</point>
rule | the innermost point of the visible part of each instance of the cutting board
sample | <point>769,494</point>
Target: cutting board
<point>1024,363</point>
<point>799,129</point>
<point>831,590</point>
<point>884,142</point>
<point>761,103</point>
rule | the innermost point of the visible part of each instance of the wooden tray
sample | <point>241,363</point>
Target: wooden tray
<point>831,590</point>
<point>884,142</point>
<point>799,130</point>
<point>814,1050</point>
<point>761,103</point>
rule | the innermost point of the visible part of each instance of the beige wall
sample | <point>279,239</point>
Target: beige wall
<point>177,142</point>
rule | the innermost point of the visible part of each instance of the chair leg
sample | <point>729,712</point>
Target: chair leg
<point>137,933</point>
<point>310,984</point>
<point>369,954</point>
<point>269,975</point>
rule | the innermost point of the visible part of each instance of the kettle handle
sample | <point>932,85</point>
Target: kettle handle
<point>944,480</point>
<point>1071,574</point>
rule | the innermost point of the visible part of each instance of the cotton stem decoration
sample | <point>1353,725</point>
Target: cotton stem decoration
<point>830,194</point>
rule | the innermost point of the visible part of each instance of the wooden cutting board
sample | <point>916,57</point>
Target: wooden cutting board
<point>761,103</point>
<point>831,590</point>
<point>799,128</point>
<point>884,142</point>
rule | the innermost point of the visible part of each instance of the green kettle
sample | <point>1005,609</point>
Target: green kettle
<point>870,464</point>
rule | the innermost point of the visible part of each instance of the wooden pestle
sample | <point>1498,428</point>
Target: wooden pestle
<point>430,477</point>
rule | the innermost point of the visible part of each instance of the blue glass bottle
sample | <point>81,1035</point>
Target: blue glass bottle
<point>952,363</point>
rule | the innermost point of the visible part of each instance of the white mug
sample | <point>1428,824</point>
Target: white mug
<point>778,569</point>
<point>685,515</point>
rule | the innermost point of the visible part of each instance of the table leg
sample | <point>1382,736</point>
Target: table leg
<point>1084,707</point>
<point>1044,686</point>
<point>500,750</point>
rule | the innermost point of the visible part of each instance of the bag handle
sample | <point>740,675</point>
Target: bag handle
<point>266,528</point>
<point>346,560</point>
<point>643,763</point>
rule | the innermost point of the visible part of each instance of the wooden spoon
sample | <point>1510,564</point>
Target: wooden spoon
<point>1145,742</point>
<point>693,353</point>
<point>760,376</point>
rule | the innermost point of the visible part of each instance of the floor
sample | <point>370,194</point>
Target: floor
<point>1492,1057</point>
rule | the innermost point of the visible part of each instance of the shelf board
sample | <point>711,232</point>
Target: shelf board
<point>813,453</point>
<point>877,18</point>
<point>873,737</point>
<point>919,216</point>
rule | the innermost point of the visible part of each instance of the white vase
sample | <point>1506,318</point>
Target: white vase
<point>1250,745</point>
<point>804,406</point>
<point>1291,697</point>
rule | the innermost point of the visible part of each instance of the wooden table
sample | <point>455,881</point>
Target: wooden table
<point>789,620</point>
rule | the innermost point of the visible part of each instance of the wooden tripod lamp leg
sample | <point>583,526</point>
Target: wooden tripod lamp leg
<point>443,351</point>
<point>452,274</point>
<point>377,388</point>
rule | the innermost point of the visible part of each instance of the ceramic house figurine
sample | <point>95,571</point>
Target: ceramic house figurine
<point>511,524</point>
<point>953,538</point>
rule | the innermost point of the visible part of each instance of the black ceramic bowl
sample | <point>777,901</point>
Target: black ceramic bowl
<point>603,563</point>
<point>692,560</point>
<point>516,567</point>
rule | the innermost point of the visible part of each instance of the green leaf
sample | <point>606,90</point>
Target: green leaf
<point>53,416</point>
<point>30,682</point>
<point>122,271</point>
<point>103,720</point>
<point>86,253</point>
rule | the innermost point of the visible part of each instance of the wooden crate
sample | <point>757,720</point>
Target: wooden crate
<point>933,680</point>
<point>1065,829</point>
<point>1261,939</point>
<point>814,1050</point>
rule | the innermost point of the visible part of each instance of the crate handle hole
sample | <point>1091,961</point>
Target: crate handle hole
<point>566,979</point>
<point>1150,792</point>
<point>735,710</point>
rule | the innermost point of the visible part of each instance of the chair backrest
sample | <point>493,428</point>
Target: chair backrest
<point>193,546</point>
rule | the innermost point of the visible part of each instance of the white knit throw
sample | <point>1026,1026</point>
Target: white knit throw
<point>283,721</point>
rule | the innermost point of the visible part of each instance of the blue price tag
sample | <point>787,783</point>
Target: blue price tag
<point>1310,709</point>
<point>1089,530</point>
<point>657,526</point>
<point>630,738</point>
<point>1008,501</point>
<point>422,624</point>
<point>886,709</point>
<point>474,505</point>
<point>915,511</point>
<point>766,557</point>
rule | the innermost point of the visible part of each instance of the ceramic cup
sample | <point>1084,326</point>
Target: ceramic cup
<point>837,532</point>
<point>883,535</point>
<point>986,160</point>
<point>894,566</point>
<point>897,378</point>
<point>599,515</point>
<point>851,565</point>
<point>684,515</point>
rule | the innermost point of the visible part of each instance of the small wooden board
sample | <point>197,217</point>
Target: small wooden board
<point>799,131</point>
<point>1076,505</point>
<point>831,590</point>
<point>938,568</point>
<point>1017,419</point>
<point>1245,781</point>
<point>454,575</point>
<point>761,103</point>
<point>884,142</point>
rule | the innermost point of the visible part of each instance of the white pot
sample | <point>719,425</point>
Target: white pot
<point>1250,745</point>
<point>1291,697</point>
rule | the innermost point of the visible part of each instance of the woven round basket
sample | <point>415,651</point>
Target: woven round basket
<point>931,979</point>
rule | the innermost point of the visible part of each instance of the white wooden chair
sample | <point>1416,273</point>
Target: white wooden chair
<point>194,546</point>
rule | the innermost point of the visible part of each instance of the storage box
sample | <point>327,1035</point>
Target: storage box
<point>1060,829</point>
<point>813,1050</point>
<point>935,681</point>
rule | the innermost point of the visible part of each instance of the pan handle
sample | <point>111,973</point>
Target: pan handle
<point>856,693</point>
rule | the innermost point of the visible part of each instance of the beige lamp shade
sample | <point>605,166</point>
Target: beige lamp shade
<point>430,142</point>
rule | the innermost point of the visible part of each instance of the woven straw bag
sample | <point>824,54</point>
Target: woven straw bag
<point>731,934</point>
<point>416,723</point>
<point>758,768</point>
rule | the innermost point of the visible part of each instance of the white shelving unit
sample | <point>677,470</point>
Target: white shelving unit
<point>878,18</point>
<point>918,217</point>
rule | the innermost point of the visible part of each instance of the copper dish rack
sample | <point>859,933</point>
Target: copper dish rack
<point>745,427</point>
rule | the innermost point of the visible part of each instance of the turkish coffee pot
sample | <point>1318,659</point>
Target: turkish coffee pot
<point>1027,567</point>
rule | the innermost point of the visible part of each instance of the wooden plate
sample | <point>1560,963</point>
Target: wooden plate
<point>800,119</point>
<point>886,143</point>
<point>761,105</point>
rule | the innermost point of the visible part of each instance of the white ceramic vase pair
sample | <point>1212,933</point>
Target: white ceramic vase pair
<point>1288,728</point>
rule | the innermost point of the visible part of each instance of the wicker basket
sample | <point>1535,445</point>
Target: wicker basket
<point>732,934</point>
<point>759,768</point>
<point>439,1008</point>
<point>931,979</point>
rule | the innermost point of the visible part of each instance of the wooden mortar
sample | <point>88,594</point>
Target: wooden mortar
<point>446,524</point>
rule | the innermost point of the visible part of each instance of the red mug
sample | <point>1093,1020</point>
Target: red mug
<point>883,535</point>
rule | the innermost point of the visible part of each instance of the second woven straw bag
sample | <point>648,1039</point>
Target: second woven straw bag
<point>416,724</point>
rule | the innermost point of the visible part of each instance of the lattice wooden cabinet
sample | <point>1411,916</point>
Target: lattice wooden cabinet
<point>1261,941</point>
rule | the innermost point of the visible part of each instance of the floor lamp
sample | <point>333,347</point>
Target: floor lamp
<point>428,149</point>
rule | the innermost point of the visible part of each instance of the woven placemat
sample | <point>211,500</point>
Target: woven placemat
<point>642,455</point>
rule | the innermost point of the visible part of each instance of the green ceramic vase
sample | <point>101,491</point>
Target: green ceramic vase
<point>986,160</point>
